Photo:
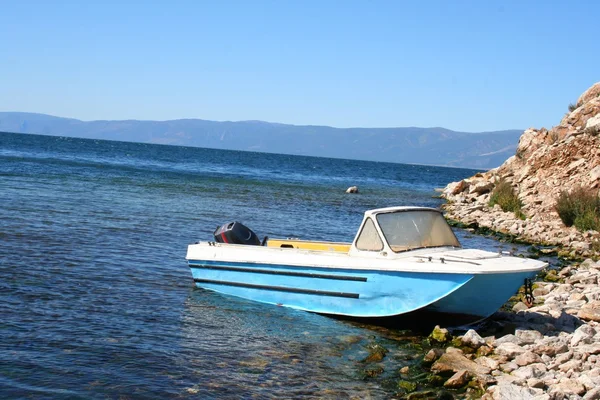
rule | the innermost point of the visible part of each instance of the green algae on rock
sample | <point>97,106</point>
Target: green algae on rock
<point>440,335</point>
<point>376,353</point>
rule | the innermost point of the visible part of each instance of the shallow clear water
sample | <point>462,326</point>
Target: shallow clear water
<point>96,299</point>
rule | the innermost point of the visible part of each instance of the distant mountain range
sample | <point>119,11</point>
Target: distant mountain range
<point>430,146</point>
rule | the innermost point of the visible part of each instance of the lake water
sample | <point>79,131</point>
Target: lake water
<point>97,301</point>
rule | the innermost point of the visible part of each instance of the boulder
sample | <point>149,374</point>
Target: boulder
<point>530,141</point>
<point>550,349</point>
<point>584,334</point>
<point>433,355</point>
<point>528,336</point>
<point>520,306</point>
<point>588,349</point>
<point>472,339</point>
<point>536,383</point>
<point>509,350</point>
<point>376,353</point>
<point>592,394</point>
<point>590,311</point>
<point>458,380</point>
<point>530,371</point>
<point>455,188</point>
<point>510,338</point>
<point>509,391</point>
<point>488,362</point>
<point>592,125</point>
<point>590,94</point>
<point>440,335</point>
<point>568,386</point>
<point>572,365</point>
<point>481,186</point>
<point>455,362</point>
<point>527,358</point>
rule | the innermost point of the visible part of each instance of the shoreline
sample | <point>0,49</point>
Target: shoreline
<point>471,211</point>
<point>548,351</point>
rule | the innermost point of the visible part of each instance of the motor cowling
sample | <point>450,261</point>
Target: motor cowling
<point>236,233</point>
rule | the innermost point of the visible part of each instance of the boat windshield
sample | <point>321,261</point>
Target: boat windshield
<point>408,230</point>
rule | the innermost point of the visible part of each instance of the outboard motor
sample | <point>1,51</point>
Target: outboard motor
<point>236,233</point>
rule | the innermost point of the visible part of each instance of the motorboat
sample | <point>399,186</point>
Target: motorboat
<point>402,259</point>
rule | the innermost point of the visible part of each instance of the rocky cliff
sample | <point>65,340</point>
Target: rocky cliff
<point>546,163</point>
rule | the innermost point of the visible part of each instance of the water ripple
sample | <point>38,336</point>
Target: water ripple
<point>96,298</point>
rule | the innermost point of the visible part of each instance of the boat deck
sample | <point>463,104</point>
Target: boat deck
<point>338,247</point>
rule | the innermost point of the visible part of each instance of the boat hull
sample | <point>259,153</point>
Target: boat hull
<point>481,296</point>
<point>355,292</point>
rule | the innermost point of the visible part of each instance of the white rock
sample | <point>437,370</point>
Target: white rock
<point>509,391</point>
<point>510,338</point>
<point>551,349</point>
<point>472,339</point>
<point>587,381</point>
<point>568,386</point>
<point>528,336</point>
<point>526,373</point>
<point>584,334</point>
<point>527,358</point>
<point>572,365</point>
<point>588,349</point>
<point>487,362</point>
<point>535,383</point>
<point>481,187</point>
<point>510,350</point>
<point>509,367</point>
<point>542,396</point>
<point>563,358</point>
<point>592,394</point>
<point>593,123</point>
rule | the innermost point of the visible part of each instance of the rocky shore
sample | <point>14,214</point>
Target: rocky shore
<point>553,348</point>
<point>553,351</point>
<point>546,163</point>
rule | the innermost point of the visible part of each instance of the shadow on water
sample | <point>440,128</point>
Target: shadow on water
<point>418,322</point>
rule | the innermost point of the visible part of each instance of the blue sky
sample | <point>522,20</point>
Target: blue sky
<point>463,65</point>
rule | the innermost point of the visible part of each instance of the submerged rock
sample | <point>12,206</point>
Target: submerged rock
<point>376,353</point>
<point>408,386</point>
<point>373,372</point>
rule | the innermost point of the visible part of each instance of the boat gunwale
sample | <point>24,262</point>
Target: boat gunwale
<point>412,261</point>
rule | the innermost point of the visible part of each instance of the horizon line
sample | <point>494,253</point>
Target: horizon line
<point>256,121</point>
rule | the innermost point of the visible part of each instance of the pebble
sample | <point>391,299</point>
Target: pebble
<point>551,354</point>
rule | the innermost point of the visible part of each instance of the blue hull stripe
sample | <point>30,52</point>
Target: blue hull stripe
<point>276,272</point>
<point>279,288</point>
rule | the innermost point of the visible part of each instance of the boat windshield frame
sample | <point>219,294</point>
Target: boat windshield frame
<point>405,230</point>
